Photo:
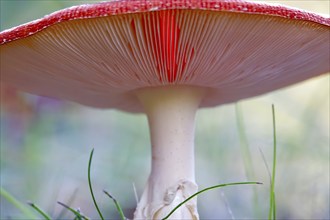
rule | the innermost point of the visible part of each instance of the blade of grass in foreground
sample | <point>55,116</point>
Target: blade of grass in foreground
<point>41,212</point>
<point>69,202</point>
<point>12,200</point>
<point>119,209</point>
<point>204,190</point>
<point>78,215</point>
<point>90,184</point>
<point>272,206</point>
<point>246,154</point>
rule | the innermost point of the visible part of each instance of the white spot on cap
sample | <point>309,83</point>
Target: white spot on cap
<point>154,9</point>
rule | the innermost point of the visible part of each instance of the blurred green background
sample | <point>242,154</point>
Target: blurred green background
<point>45,145</point>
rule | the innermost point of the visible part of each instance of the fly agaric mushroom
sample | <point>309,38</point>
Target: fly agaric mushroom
<point>167,59</point>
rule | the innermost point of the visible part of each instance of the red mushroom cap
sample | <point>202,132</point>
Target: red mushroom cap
<point>98,54</point>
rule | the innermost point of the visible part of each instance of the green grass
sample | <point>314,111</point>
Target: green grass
<point>247,159</point>
<point>245,149</point>
<point>204,190</point>
<point>19,205</point>
<point>90,184</point>
<point>119,209</point>
<point>272,205</point>
<point>40,211</point>
<point>68,203</point>
<point>79,216</point>
<point>246,155</point>
<point>77,213</point>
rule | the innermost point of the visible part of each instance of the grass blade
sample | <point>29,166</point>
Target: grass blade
<point>41,212</point>
<point>229,210</point>
<point>119,209</point>
<point>135,194</point>
<point>20,206</point>
<point>69,202</point>
<point>266,165</point>
<point>246,154</point>
<point>272,205</point>
<point>79,216</point>
<point>204,190</point>
<point>90,184</point>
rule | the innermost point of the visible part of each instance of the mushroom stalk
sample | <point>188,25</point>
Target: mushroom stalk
<point>171,114</point>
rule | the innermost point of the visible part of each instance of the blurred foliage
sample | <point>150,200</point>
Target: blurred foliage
<point>45,145</point>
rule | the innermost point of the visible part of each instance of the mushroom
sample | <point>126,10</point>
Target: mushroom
<point>166,59</point>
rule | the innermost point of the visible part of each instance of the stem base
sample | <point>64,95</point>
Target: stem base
<point>172,197</point>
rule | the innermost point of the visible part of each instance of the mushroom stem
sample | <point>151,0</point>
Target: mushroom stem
<point>171,114</point>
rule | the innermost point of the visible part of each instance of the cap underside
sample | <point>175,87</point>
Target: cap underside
<point>100,61</point>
